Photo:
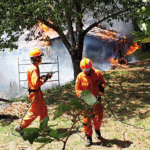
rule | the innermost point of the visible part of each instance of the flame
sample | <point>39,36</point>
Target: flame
<point>133,48</point>
<point>44,28</point>
<point>108,35</point>
<point>47,33</point>
<point>113,61</point>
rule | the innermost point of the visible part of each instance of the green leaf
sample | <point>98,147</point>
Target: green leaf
<point>44,144</point>
<point>88,97</point>
<point>48,129</point>
<point>122,19</point>
<point>29,130</point>
<point>43,123</point>
<point>87,107</point>
<point>144,25</point>
<point>62,135</point>
<point>31,136</point>
<point>58,114</point>
<point>80,15</point>
<point>43,140</point>
<point>97,102</point>
<point>54,133</point>
<point>76,103</point>
<point>137,33</point>
<point>147,25</point>
<point>146,40</point>
<point>63,107</point>
<point>139,39</point>
<point>141,24</point>
<point>143,8</point>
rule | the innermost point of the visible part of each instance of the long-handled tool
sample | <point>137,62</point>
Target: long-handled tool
<point>120,120</point>
<point>43,76</point>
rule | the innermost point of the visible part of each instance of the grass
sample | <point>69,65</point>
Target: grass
<point>128,94</point>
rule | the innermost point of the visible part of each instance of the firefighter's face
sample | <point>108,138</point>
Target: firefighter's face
<point>87,72</point>
<point>39,59</point>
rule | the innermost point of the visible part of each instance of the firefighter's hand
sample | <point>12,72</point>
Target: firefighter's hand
<point>46,77</point>
<point>101,88</point>
<point>49,76</point>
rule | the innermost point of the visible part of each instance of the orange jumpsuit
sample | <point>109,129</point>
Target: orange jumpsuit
<point>91,83</point>
<point>38,108</point>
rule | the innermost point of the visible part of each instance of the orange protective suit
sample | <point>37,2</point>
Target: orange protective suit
<point>38,108</point>
<point>91,83</point>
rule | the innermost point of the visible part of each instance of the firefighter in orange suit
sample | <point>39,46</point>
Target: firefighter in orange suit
<point>92,80</point>
<point>38,106</point>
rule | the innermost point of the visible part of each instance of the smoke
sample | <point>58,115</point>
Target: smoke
<point>9,77</point>
<point>97,50</point>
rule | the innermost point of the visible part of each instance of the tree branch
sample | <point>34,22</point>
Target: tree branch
<point>108,16</point>
<point>4,100</point>
<point>70,29</point>
<point>58,30</point>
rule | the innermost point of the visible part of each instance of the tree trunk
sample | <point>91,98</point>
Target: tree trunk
<point>76,67</point>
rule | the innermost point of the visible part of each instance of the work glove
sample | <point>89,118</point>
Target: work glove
<point>101,89</point>
<point>49,75</point>
<point>46,77</point>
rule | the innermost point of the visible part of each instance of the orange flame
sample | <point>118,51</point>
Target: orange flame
<point>113,61</point>
<point>107,35</point>
<point>133,48</point>
<point>47,32</point>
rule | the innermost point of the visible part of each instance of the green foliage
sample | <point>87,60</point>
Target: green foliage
<point>144,24</point>
<point>62,135</point>
<point>18,16</point>
<point>31,136</point>
<point>58,114</point>
<point>43,123</point>
<point>54,134</point>
<point>88,97</point>
<point>43,140</point>
<point>76,103</point>
<point>63,107</point>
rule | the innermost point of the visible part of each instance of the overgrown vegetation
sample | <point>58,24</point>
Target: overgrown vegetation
<point>127,92</point>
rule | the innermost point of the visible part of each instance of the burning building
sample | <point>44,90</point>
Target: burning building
<point>100,45</point>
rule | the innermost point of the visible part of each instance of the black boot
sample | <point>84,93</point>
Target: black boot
<point>98,134</point>
<point>88,141</point>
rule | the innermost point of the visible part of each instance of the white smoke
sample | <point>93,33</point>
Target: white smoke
<point>9,60</point>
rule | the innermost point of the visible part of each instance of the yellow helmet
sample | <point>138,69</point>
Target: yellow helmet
<point>35,52</point>
<point>86,64</point>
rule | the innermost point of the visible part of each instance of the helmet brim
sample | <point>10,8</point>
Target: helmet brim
<point>87,69</point>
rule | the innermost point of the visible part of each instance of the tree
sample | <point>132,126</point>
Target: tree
<point>59,15</point>
<point>143,22</point>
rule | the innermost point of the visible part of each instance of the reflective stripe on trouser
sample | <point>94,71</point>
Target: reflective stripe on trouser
<point>97,120</point>
<point>38,108</point>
